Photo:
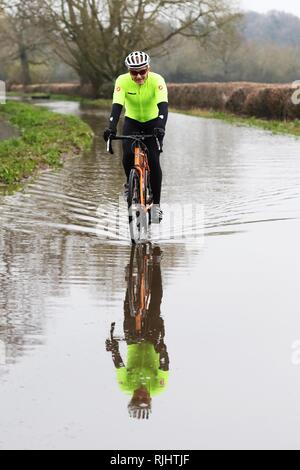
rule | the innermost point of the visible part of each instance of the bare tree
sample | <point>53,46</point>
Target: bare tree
<point>22,40</point>
<point>94,36</point>
<point>223,47</point>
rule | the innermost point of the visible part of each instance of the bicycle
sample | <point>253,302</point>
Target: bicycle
<point>140,196</point>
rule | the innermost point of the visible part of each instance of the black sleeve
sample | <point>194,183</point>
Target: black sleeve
<point>117,359</point>
<point>163,114</point>
<point>164,361</point>
<point>115,116</point>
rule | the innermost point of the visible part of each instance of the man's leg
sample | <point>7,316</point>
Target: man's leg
<point>130,127</point>
<point>155,168</point>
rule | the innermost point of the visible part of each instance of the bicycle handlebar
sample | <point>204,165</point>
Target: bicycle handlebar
<point>134,137</point>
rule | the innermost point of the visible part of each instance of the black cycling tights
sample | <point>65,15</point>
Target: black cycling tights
<point>131,127</point>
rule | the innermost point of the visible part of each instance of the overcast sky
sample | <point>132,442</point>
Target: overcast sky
<point>290,6</point>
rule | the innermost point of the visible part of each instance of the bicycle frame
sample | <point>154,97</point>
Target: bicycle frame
<point>142,166</point>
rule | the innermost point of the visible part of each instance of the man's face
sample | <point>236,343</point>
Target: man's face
<point>139,76</point>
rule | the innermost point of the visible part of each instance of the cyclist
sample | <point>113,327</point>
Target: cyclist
<point>144,95</point>
<point>146,372</point>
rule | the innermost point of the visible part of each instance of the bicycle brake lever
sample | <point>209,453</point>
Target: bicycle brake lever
<point>112,329</point>
<point>158,144</point>
<point>109,146</point>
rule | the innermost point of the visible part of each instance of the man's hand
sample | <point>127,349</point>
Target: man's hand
<point>112,344</point>
<point>159,132</point>
<point>108,133</point>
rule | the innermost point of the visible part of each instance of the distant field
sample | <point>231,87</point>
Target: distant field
<point>260,100</point>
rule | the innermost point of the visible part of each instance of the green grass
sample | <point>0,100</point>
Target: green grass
<point>277,127</point>
<point>46,140</point>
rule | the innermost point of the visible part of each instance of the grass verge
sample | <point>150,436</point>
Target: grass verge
<point>46,140</point>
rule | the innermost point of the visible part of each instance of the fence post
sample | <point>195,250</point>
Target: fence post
<point>2,92</point>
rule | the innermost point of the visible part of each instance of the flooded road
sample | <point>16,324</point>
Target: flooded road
<point>222,298</point>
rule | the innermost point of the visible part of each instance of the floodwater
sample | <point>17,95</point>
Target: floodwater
<point>222,302</point>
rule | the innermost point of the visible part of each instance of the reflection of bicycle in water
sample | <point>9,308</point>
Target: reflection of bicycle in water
<point>139,284</point>
<point>146,372</point>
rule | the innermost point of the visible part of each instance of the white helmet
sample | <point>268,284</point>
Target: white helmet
<point>137,60</point>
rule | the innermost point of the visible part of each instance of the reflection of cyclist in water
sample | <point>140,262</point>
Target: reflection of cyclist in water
<point>146,372</point>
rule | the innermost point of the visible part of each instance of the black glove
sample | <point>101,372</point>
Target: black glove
<point>159,132</point>
<point>109,133</point>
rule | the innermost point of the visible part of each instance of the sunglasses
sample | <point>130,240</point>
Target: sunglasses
<point>135,73</point>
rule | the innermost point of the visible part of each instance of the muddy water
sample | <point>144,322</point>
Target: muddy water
<point>223,309</point>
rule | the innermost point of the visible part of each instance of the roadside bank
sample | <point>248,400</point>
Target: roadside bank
<point>46,139</point>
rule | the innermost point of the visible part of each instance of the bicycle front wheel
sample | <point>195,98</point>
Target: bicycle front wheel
<point>138,217</point>
<point>134,206</point>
